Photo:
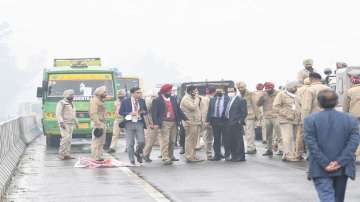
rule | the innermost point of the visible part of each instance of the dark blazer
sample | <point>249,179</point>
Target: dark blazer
<point>126,108</point>
<point>212,107</point>
<point>331,135</point>
<point>158,110</point>
<point>238,112</point>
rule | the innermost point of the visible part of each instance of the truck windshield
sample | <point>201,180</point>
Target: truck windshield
<point>127,83</point>
<point>83,85</point>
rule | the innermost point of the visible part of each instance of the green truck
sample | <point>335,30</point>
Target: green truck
<point>83,75</point>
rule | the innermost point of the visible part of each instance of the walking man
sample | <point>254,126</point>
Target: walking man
<point>166,117</point>
<point>134,109</point>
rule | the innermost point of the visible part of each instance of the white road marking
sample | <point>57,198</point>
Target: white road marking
<point>148,188</point>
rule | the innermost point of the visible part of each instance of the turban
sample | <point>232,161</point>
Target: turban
<point>166,88</point>
<point>308,62</point>
<point>241,84</point>
<point>68,93</point>
<point>269,85</point>
<point>355,79</point>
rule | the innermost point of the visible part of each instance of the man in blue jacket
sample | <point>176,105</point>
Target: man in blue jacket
<point>331,138</point>
<point>134,109</point>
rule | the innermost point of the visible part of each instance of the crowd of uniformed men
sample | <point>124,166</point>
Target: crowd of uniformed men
<point>220,120</point>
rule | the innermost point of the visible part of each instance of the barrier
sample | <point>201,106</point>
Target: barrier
<point>15,135</point>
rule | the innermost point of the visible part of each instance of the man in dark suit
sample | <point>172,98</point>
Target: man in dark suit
<point>331,138</point>
<point>166,116</point>
<point>235,115</point>
<point>133,110</point>
<point>216,118</point>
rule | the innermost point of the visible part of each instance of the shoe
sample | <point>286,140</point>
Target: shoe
<point>100,160</point>
<point>264,142</point>
<point>215,158</point>
<point>132,163</point>
<point>174,159</point>
<point>195,160</point>
<point>228,158</point>
<point>68,157</point>
<point>268,153</point>
<point>279,153</point>
<point>138,157</point>
<point>251,152</point>
<point>167,163</point>
<point>111,151</point>
<point>147,159</point>
<point>182,151</point>
<point>237,160</point>
<point>61,157</point>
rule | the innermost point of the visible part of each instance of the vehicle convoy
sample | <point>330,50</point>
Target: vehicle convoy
<point>83,75</point>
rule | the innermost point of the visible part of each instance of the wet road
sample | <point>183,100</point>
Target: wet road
<point>41,177</point>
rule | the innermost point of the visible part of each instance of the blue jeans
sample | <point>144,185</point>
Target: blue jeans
<point>331,189</point>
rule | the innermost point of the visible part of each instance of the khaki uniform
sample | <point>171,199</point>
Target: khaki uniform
<point>271,123</point>
<point>351,104</point>
<point>151,135</point>
<point>299,144</point>
<point>191,109</point>
<point>117,131</point>
<point>207,131</point>
<point>66,113</point>
<point>289,119</point>
<point>251,118</point>
<point>309,101</point>
<point>260,122</point>
<point>98,120</point>
<point>302,75</point>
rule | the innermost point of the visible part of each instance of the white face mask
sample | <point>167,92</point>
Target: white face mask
<point>231,94</point>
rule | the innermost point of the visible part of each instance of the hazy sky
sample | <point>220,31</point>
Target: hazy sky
<point>250,40</point>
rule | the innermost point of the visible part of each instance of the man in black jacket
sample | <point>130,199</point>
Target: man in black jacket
<point>166,115</point>
<point>235,115</point>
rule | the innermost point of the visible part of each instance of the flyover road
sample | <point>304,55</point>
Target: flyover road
<point>42,177</point>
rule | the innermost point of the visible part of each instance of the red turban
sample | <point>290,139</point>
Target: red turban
<point>269,85</point>
<point>355,79</point>
<point>166,88</point>
<point>260,86</point>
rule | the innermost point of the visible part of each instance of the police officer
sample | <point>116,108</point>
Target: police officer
<point>310,103</point>
<point>117,131</point>
<point>299,145</point>
<point>66,117</point>
<point>252,117</point>
<point>190,105</point>
<point>270,119</point>
<point>351,104</point>
<point>289,119</point>
<point>308,68</point>
<point>97,114</point>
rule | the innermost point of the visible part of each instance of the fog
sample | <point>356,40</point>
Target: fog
<point>173,40</point>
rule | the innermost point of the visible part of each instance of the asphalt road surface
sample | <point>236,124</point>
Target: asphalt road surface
<point>42,177</point>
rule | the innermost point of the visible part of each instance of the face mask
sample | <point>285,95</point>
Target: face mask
<point>167,95</point>
<point>121,97</point>
<point>219,94</point>
<point>231,94</point>
<point>70,99</point>
<point>270,92</point>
